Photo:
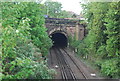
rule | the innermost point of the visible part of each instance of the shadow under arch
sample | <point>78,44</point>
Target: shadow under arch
<point>59,38</point>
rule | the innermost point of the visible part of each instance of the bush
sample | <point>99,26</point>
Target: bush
<point>73,43</point>
<point>82,49</point>
<point>19,49</point>
<point>110,68</point>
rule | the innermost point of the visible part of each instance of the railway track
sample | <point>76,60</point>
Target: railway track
<point>74,63</point>
<point>59,55</point>
<point>66,71</point>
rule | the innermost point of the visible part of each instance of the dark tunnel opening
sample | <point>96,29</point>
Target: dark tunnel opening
<point>59,40</point>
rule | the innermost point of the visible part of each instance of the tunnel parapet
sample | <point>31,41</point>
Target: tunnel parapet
<point>60,21</point>
<point>68,27</point>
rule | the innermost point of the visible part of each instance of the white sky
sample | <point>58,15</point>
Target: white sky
<point>70,5</point>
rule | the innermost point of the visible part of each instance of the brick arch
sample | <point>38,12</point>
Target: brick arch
<point>58,31</point>
<point>64,26</point>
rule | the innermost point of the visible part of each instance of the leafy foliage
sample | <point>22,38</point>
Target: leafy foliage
<point>110,68</point>
<point>101,45</point>
<point>73,42</point>
<point>24,38</point>
<point>54,10</point>
<point>103,37</point>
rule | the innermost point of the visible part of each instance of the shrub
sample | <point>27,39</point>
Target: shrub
<point>110,68</point>
<point>19,49</point>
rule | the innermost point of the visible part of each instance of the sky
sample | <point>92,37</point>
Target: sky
<point>70,5</point>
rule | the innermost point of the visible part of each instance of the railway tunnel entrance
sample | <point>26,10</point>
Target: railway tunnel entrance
<point>59,40</point>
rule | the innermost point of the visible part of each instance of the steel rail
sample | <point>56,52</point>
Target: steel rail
<point>68,66</point>
<point>64,75</point>
<point>75,64</point>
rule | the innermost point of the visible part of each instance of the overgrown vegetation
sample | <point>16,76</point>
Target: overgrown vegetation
<point>102,44</point>
<point>24,42</point>
<point>54,10</point>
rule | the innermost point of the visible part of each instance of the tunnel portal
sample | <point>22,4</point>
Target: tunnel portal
<point>59,40</point>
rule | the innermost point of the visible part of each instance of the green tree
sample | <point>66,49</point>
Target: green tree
<point>24,41</point>
<point>53,9</point>
<point>113,30</point>
<point>65,14</point>
<point>102,41</point>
